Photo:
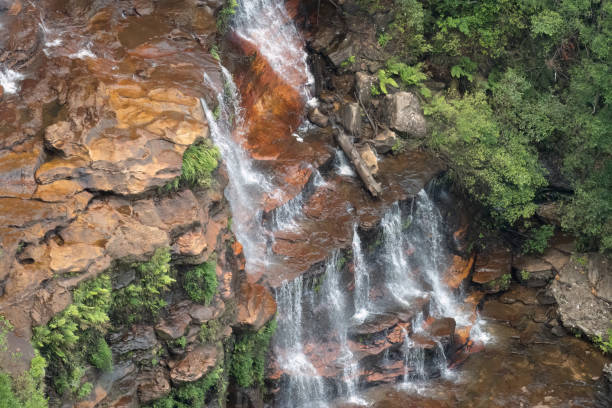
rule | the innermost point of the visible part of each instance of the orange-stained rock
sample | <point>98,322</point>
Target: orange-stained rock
<point>196,364</point>
<point>492,264</point>
<point>256,306</point>
<point>191,243</point>
<point>58,191</point>
<point>458,271</point>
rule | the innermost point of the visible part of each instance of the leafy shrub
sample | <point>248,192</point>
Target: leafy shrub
<point>249,358</point>
<point>499,170</point>
<point>201,282</point>
<point>102,356</point>
<point>27,390</point>
<point>141,300</point>
<point>538,239</point>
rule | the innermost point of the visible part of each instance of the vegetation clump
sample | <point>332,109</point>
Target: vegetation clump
<point>199,162</point>
<point>201,282</point>
<point>249,358</point>
<point>26,390</point>
<point>526,115</point>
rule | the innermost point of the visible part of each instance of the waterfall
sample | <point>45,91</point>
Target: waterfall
<point>362,280</point>
<point>265,24</point>
<point>246,184</point>
<point>336,301</point>
<point>401,284</point>
<point>304,387</point>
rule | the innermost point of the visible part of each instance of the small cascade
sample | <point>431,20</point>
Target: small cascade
<point>398,279</point>
<point>362,280</point>
<point>336,302</point>
<point>265,24</point>
<point>246,184</point>
<point>414,361</point>
<point>303,387</point>
<point>10,80</point>
<point>342,166</point>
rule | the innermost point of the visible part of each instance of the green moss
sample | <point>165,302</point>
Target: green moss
<point>201,282</point>
<point>102,356</point>
<point>604,345</point>
<point>181,342</point>
<point>349,61</point>
<point>210,331</point>
<point>502,283</point>
<point>249,358</point>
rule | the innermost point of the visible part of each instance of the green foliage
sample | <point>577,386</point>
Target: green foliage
<point>141,300</point>
<point>249,358</point>
<point>604,345</point>
<point>349,61</point>
<point>84,390</point>
<point>464,68</point>
<point>525,275</point>
<point>409,75</point>
<point>199,161</point>
<point>210,331</point>
<point>383,39</point>
<point>502,283</point>
<point>26,390</point>
<point>385,79</point>
<point>498,168</point>
<point>538,239</point>
<point>214,51</point>
<point>225,15</point>
<point>181,342</point>
<point>201,282</point>
<point>86,316</point>
<point>102,356</point>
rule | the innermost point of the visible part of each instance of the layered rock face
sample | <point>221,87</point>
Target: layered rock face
<point>90,142</point>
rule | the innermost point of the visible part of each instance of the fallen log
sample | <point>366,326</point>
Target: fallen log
<point>362,170</point>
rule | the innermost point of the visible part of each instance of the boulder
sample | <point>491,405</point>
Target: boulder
<point>369,158</point>
<point>550,213</point>
<point>363,86</point>
<point>201,314</point>
<point>533,271</point>
<point>138,337</point>
<point>256,306</point>
<point>600,275</point>
<point>385,141</point>
<point>196,364</point>
<point>318,118</point>
<point>152,385</point>
<point>351,118</point>
<point>491,266</point>
<point>402,112</point>
<point>579,307</point>
<point>175,325</point>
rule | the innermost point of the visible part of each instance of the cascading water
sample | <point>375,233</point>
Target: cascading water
<point>336,302</point>
<point>246,185</point>
<point>265,24</point>
<point>399,281</point>
<point>362,280</point>
<point>303,386</point>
